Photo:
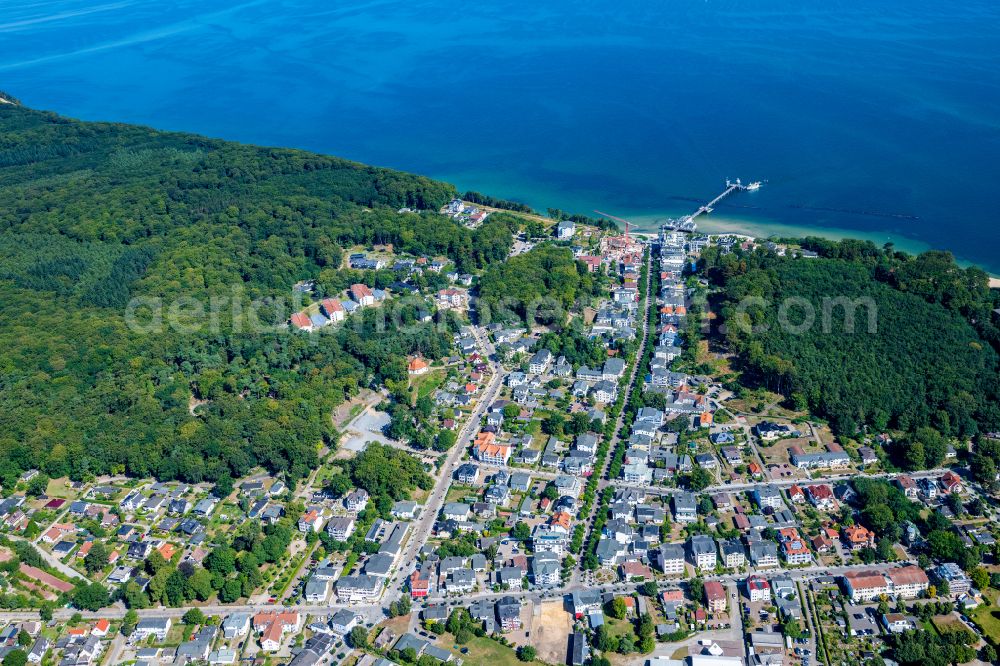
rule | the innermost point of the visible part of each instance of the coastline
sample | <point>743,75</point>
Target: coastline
<point>714,224</point>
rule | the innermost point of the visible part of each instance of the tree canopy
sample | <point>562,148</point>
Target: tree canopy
<point>917,351</point>
<point>537,286</point>
<point>94,215</point>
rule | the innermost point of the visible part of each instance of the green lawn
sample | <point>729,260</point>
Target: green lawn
<point>483,651</point>
<point>987,617</point>
<point>947,623</point>
<point>619,628</point>
<point>458,493</point>
<point>428,383</point>
<point>60,488</point>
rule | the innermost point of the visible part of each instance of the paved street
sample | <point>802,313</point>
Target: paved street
<point>602,471</point>
<point>422,528</point>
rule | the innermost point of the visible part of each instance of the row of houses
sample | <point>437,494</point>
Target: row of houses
<point>332,310</point>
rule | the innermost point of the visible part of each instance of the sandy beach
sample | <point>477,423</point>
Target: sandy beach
<point>713,224</point>
<point>762,228</point>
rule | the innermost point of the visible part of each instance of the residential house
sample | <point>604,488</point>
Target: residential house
<point>951,482</point>
<point>455,511</point>
<point>907,485</point>
<point>685,508</point>
<point>670,559</point>
<point>273,625</point>
<point>768,497</point>
<point>733,553</point>
<point>614,369</point>
<point>417,367</point>
<point>362,294</point>
<point>763,554</point>
<point>605,392</point>
<point>420,584</point>
<point>343,621</point>
<point>508,610</point>
<point>520,481</point>
<point>769,431</point>
<point>157,627</point>
<point>715,596</point>
<point>341,527</point>
<point>333,309</point>
<point>460,581</point>
<point>565,229</point>
<point>540,362</point>
<point>702,550</point>
<point>38,650</point>
<point>584,601</point>
<point>722,501</point>
<point>834,457</point>
<point>358,588</point>
<point>405,509</point>
<point>857,537</point>
<point>546,569</point>
<point>452,298</point>
<point>236,625</point>
<point>897,623</point>
<point>758,589</point>
<point>311,521</point>
<point>488,451</point>
<point>634,571</point>
<point>356,500</point>
<point>821,497</point>
<point>548,538</point>
<point>317,590</point>
<point>794,547</point>
<point>958,581</point>
<point>468,474</point>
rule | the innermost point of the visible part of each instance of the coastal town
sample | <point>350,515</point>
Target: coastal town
<point>596,493</point>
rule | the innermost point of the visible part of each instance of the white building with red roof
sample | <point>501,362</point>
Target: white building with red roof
<point>301,321</point>
<point>272,626</point>
<point>333,309</point>
<point>866,585</point>
<point>362,294</point>
<point>821,497</point>
<point>908,582</point>
<point>758,589</point>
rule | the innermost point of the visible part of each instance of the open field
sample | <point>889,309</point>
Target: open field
<point>619,628</point>
<point>549,629</point>
<point>946,624</point>
<point>483,651</point>
<point>397,625</point>
<point>423,385</point>
<point>60,488</point>
<point>987,617</point>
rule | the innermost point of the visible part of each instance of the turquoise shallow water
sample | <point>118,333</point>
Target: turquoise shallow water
<point>881,119</point>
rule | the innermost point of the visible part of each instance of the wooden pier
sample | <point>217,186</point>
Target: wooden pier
<point>687,223</point>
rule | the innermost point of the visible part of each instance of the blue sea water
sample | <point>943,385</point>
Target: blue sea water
<point>874,119</point>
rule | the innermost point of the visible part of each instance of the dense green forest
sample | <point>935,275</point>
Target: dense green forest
<point>931,359</point>
<point>93,215</point>
<point>541,285</point>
